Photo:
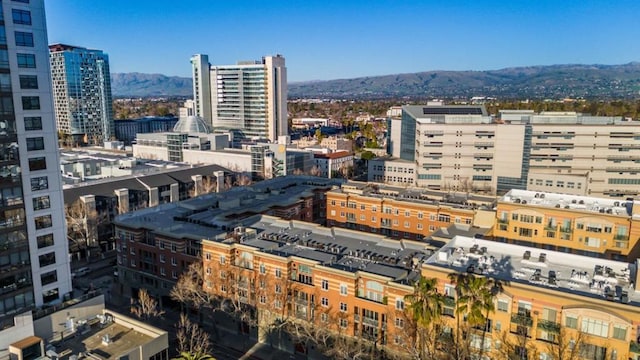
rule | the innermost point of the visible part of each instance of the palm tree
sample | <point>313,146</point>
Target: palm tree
<point>425,308</point>
<point>476,301</point>
<point>185,355</point>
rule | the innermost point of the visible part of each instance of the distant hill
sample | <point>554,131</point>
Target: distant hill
<point>144,85</point>
<point>533,82</point>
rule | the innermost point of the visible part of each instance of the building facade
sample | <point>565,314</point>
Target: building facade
<point>249,98</point>
<point>550,302</point>
<point>82,94</point>
<point>34,257</point>
<point>462,148</point>
<point>405,213</point>
<point>126,130</point>
<point>156,245</point>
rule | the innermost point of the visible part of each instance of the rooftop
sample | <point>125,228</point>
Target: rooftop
<point>582,275</point>
<point>341,249</point>
<point>418,195</point>
<point>210,215</point>
<point>573,202</point>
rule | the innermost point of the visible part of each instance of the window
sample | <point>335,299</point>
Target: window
<point>34,144</point>
<point>28,82</point>
<point>24,39</point>
<point>399,304</point>
<point>30,103</point>
<point>343,307</point>
<point>45,241</point>
<point>620,332</point>
<point>26,61</point>
<point>43,222</point>
<point>325,302</point>
<point>41,202</point>
<point>503,305</point>
<point>39,183</point>
<point>49,277</point>
<point>595,327</point>
<point>343,289</point>
<point>47,259</point>
<point>21,17</point>
<point>325,285</point>
<point>32,123</point>
<point>39,163</point>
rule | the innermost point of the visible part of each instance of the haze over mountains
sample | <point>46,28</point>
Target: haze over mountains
<point>533,82</point>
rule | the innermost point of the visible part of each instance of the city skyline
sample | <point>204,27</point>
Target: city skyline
<point>332,40</point>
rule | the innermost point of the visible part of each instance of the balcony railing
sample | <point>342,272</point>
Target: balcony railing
<point>521,319</point>
<point>550,326</point>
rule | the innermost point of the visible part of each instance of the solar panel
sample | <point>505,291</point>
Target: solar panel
<point>452,111</point>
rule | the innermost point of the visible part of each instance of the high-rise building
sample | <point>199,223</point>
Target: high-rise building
<point>82,94</point>
<point>249,97</point>
<point>34,260</point>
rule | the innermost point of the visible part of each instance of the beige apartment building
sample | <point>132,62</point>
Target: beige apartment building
<point>462,148</point>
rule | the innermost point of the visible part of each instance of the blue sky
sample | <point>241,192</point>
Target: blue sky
<point>329,39</point>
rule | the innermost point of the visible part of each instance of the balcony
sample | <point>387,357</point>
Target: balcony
<point>370,321</point>
<point>522,319</point>
<point>550,326</point>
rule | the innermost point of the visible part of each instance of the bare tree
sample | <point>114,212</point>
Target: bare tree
<point>82,225</point>
<point>146,307</point>
<point>191,338</point>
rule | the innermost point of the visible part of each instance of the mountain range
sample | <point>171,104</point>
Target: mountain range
<point>533,82</point>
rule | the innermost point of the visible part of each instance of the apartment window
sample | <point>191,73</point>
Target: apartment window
<point>24,39</point>
<point>41,202</point>
<point>32,123</point>
<point>21,17</point>
<point>35,143</point>
<point>343,307</point>
<point>325,302</point>
<point>45,241</point>
<point>399,304</point>
<point>43,222</point>
<point>571,322</point>
<point>30,103</point>
<point>619,332</point>
<point>325,285</point>
<point>49,277</point>
<point>28,82</point>
<point>38,163</point>
<point>343,289</point>
<point>595,327</point>
<point>47,259</point>
<point>26,61</point>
